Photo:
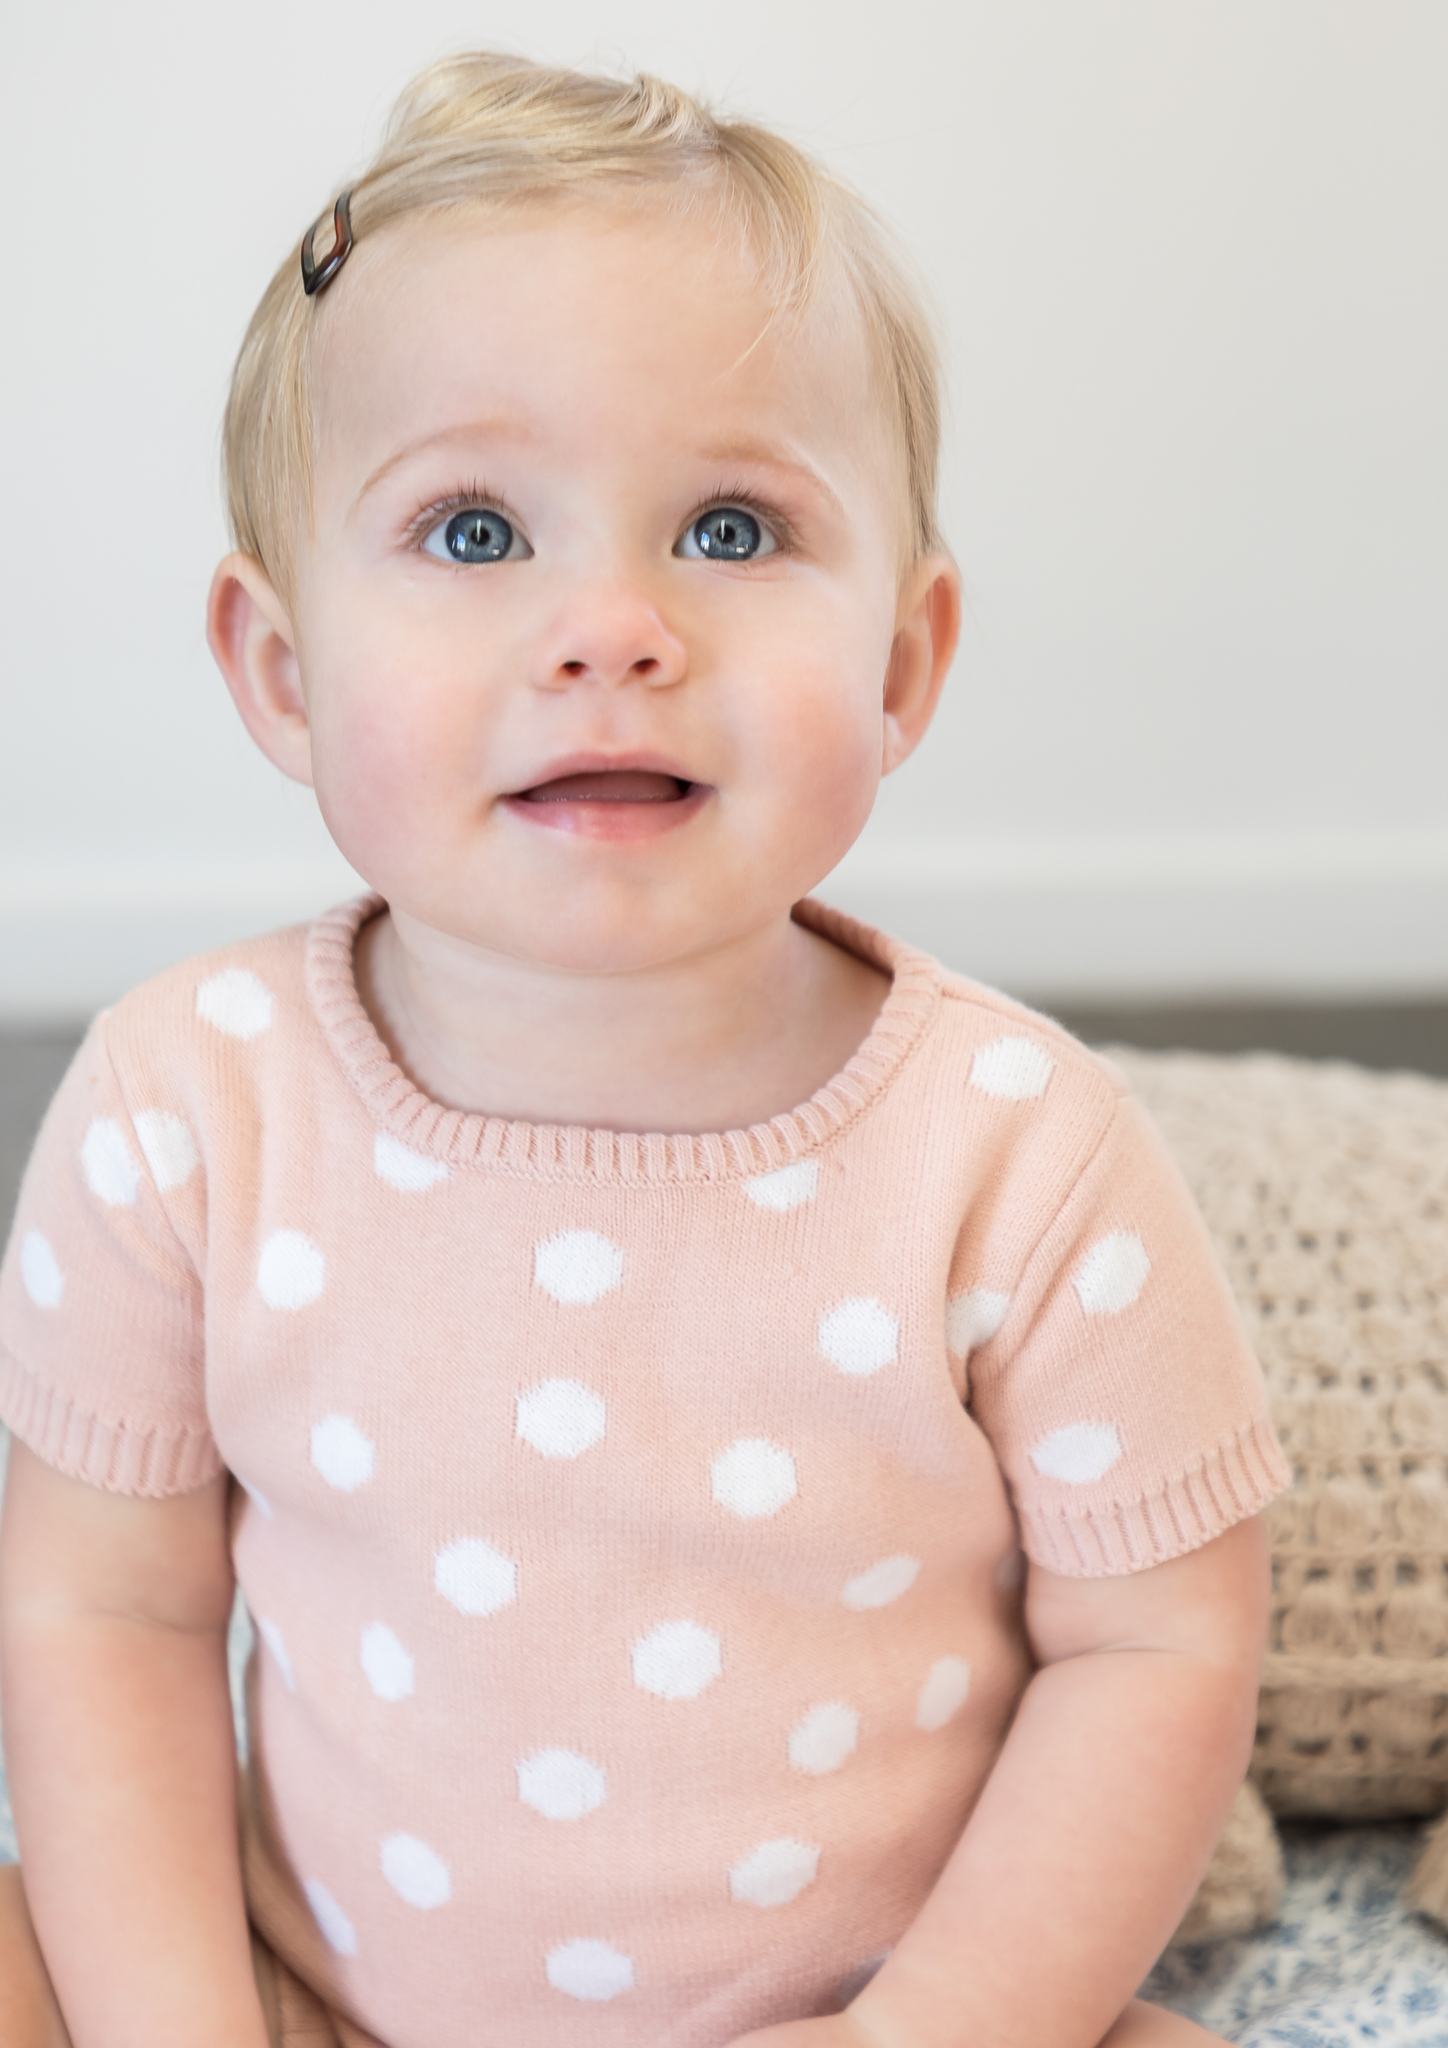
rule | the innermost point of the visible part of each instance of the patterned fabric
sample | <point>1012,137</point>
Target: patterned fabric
<point>1345,1962</point>
<point>631,1522</point>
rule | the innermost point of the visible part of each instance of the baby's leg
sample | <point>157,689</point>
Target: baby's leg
<point>29,2015</point>
<point>1152,2026</point>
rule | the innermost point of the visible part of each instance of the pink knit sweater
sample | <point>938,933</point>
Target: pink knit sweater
<point>632,1523</point>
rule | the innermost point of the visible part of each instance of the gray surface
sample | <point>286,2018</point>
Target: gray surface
<point>31,1064</point>
<point>1373,1034</point>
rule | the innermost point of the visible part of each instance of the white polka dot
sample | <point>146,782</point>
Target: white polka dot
<point>1014,1068</point>
<point>236,1002</point>
<point>292,1271</point>
<point>169,1147</point>
<point>413,1172</point>
<point>111,1170</point>
<point>775,1872</point>
<point>476,1578</point>
<point>388,1666</point>
<point>40,1270</point>
<point>561,1785</point>
<point>973,1318</point>
<point>258,1499</point>
<point>787,1187</point>
<point>416,1873</point>
<point>341,1453</point>
<point>1112,1274</point>
<point>275,1641</point>
<point>824,1738</point>
<point>561,1418</point>
<point>882,1583</point>
<point>944,1693</point>
<point>676,1660</point>
<point>577,1266</point>
<point>754,1477</point>
<point>859,1336</point>
<point>1079,1453</point>
<point>589,1969</point>
<point>337,1930</point>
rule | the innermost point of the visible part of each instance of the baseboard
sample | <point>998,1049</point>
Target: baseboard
<point>1343,916</point>
<point>1324,916</point>
<point>73,937</point>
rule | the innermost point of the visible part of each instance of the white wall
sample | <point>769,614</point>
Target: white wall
<point>1191,261</point>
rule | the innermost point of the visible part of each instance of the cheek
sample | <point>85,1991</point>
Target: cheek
<point>817,738</point>
<point>825,711</point>
<point>838,776</point>
<point>381,753</point>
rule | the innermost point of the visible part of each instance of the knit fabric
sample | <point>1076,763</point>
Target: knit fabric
<point>1326,1190</point>
<point>631,1523</point>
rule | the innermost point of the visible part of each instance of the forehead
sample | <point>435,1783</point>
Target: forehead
<point>592,326</point>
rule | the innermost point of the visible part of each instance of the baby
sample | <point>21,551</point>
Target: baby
<point>741,1462</point>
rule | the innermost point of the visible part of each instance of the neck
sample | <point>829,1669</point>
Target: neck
<point>719,1040</point>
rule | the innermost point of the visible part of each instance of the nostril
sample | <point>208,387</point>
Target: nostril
<point>573,668</point>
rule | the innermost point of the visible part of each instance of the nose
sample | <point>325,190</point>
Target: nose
<point>609,633</point>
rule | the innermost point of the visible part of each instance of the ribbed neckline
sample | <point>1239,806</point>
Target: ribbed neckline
<point>467,1138</point>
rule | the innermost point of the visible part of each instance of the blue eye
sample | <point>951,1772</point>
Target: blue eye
<point>726,533</point>
<point>476,535</point>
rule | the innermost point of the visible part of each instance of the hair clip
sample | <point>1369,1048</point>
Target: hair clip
<point>317,276</point>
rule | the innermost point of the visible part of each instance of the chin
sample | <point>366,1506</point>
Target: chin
<point>616,938</point>
<point>637,950</point>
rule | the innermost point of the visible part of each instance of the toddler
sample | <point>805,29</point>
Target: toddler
<point>742,1465</point>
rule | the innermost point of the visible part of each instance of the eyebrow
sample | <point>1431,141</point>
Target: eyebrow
<point>502,427</point>
<point>498,428</point>
<point>759,455</point>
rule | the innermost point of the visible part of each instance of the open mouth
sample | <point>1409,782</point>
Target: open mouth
<point>609,786</point>
<point>612,804</point>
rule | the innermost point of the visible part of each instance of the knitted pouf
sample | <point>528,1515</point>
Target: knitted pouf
<point>1326,1190</point>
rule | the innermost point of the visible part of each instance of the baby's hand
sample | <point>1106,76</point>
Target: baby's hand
<point>839,2030</point>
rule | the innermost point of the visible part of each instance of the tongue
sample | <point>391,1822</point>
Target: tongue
<point>609,786</point>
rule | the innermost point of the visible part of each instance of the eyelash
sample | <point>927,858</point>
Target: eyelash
<point>467,498</point>
<point>474,497</point>
<point>768,515</point>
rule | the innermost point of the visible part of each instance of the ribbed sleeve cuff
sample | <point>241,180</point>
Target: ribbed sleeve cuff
<point>118,1457</point>
<point>1235,1480</point>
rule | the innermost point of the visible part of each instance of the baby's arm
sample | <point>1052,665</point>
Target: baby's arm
<point>1096,1823</point>
<point>118,1737</point>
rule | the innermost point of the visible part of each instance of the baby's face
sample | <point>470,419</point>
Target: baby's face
<point>595,616</point>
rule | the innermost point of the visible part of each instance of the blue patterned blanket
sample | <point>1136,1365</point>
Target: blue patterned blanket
<point>1345,1963</point>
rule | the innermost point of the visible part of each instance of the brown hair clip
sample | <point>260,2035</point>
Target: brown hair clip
<point>317,276</point>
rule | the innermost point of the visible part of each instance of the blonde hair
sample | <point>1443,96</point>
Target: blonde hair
<point>487,128</point>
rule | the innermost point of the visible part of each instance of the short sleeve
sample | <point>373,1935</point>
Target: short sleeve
<point>102,1354</point>
<point>1120,1396</point>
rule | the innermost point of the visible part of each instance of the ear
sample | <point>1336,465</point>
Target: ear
<point>927,628</point>
<point>251,636</point>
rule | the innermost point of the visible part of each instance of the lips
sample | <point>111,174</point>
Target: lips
<point>608,786</point>
<point>611,803</point>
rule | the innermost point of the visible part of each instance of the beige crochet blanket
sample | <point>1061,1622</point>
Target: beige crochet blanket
<point>1326,1190</point>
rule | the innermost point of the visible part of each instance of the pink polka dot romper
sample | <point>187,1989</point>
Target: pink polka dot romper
<point>631,1524</point>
